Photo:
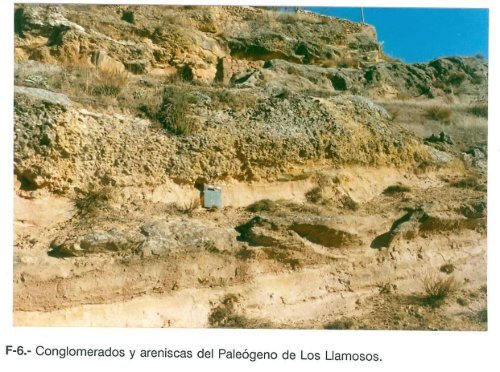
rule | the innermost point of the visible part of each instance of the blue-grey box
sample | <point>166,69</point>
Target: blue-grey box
<point>212,196</point>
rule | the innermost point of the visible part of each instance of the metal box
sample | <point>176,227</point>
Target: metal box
<point>212,196</point>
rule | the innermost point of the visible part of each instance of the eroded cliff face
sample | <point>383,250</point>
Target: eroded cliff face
<point>203,41</point>
<point>350,179</point>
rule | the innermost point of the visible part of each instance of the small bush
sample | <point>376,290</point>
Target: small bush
<point>476,79</point>
<point>482,316</point>
<point>350,203</point>
<point>466,183</point>
<point>327,63</point>
<point>285,17</point>
<point>447,268</point>
<point>173,114</point>
<point>319,93</point>
<point>225,315</point>
<point>210,247</point>
<point>456,78</point>
<point>386,287</point>
<point>396,189</point>
<point>314,195</point>
<point>340,324</point>
<point>439,113</point>
<point>462,301</point>
<point>479,110</point>
<point>403,96</point>
<point>245,254</point>
<point>262,205</point>
<point>437,289</point>
<point>285,94</point>
<point>128,16</point>
<point>93,200</point>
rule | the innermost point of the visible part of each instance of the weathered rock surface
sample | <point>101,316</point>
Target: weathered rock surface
<point>189,39</point>
<point>65,149</point>
<point>43,95</point>
<point>421,221</point>
<point>122,113</point>
<point>163,237</point>
<point>154,238</point>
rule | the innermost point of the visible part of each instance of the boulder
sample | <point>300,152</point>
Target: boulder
<point>102,61</point>
<point>163,237</point>
<point>43,95</point>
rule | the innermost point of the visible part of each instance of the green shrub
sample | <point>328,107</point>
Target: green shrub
<point>462,301</point>
<point>128,16</point>
<point>174,112</point>
<point>479,110</point>
<point>482,316</point>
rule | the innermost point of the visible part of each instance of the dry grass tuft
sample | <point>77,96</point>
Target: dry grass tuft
<point>347,62</point>
<point>314,195</point>
<point>108,82</point>
<point>437,289</point>
<point>262,205</point>
<point>92,200</point>
<point>340,324</point>
<point>456,78</point>
<point>439,113</point>
<point>189,207</point>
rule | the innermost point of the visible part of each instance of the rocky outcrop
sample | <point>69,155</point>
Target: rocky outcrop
<point>208,44</point>
<point>465,76</point>
<point>421,222</point>
<point>43,95</point>
<point>195,38</point>
<point>328,236</point>
<point>65,149</point>
<point>153,239</point>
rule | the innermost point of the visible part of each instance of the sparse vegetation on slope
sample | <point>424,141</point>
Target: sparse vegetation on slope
<point>343,173</point>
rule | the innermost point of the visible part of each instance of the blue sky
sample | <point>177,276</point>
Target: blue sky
<point>422,34</point>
